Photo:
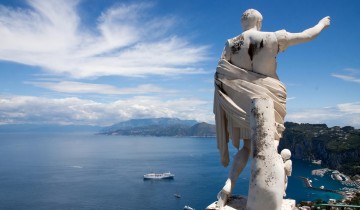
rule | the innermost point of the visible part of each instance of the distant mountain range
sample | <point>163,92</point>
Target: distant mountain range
<point>140,127</point>
<point>48,128</point>
<point>161,127</point>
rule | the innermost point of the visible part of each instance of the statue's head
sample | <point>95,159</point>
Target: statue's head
<point>285,154</point>
<point>250,19</point>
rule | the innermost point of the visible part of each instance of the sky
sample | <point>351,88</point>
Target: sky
<point>92,62</point>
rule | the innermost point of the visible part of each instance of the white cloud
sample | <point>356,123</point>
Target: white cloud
<point>346,78</point>
<point>290,98</point>
<point>341,115</point>
<point>30,109</point>
<point>78,87</point>
<point>352,71</point>
<point>351,75</point>
<point>125,42</point>
<point>351,108</point>
<point>73,110</point>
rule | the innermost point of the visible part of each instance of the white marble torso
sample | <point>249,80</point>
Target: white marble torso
<point>256,51</point>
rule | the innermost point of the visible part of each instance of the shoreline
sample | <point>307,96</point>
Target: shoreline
<point>351,186</point>
<point>338,176</point>
<point>308,184</point>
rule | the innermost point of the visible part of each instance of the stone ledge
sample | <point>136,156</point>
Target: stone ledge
<point>239,203</point>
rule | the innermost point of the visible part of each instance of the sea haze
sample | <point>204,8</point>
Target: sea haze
<point>87,171</point>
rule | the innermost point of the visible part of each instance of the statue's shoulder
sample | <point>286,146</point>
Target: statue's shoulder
<point>235,40</point>
<point>254,35</point>
<point>281,34</point>
<point>282,39</point>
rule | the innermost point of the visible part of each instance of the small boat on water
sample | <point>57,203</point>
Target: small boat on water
<point>166,175</point>
<point>177,195</point>
<point>188,208</point>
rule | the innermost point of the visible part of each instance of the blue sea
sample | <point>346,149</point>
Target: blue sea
<point>86,171</point>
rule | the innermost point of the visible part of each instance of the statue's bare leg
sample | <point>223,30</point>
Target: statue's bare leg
<point>239,162</point>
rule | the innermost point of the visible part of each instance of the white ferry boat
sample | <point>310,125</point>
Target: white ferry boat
<point>188,208</point>
<point>166,175</point>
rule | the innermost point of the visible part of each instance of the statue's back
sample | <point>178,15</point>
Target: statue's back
<point>254,51</point>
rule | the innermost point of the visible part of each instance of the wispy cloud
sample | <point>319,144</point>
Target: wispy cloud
<point>79,87</point>
<point>73,110</point>
<point>290,98</point>
<point>350,108</point>
<point>346,78</point>
<point>352,70</point>
<point>341,114</point>
<point>125,42</point>
<point>350,76</point>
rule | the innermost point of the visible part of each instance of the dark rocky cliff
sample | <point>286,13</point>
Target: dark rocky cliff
<point>338,148</point>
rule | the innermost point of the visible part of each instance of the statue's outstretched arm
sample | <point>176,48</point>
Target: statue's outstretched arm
<point>308,34</point>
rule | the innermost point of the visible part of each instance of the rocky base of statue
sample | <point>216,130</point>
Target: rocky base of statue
<point>236,202</point>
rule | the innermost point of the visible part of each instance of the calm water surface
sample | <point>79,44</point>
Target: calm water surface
<point>86,171</point>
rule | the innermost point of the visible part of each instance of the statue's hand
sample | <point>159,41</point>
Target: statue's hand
<point>325,21</point>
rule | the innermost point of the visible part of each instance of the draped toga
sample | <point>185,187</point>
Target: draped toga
<point>234,90</point>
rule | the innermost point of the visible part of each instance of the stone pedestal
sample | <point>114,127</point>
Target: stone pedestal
<point>239,203</point>
<point>267,179</point>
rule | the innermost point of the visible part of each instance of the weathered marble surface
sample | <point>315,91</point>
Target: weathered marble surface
<point>285,155</point>
<point>266,185</point>
<point>255,51</point>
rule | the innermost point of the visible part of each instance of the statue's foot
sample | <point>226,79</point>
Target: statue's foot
<point>222,197</point>
<point>224,194</point>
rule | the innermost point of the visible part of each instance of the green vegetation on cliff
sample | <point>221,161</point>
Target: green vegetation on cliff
<point>338,148</point>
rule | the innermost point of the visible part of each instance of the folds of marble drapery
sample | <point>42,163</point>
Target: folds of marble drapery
<point>234,89</point>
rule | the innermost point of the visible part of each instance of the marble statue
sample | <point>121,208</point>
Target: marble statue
<point>245,75</point>
<point>285,155</point>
